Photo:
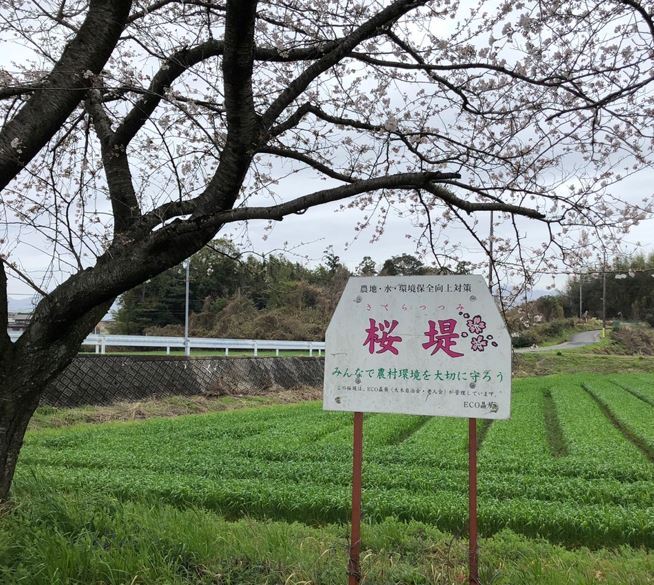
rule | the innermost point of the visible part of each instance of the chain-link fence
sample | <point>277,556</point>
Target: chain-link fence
<point>107,379</point>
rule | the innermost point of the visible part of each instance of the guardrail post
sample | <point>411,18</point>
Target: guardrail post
<point>168,350</point>
<point>277,352</point>
<point>103,345</point>
<point>310,349</point>
<point>255,349</point>
<point>226,351</point>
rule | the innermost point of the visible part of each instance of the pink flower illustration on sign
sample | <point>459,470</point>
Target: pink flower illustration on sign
<point>478,343</point>
<point>476,325</point>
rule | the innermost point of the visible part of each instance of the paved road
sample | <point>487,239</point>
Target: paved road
<point>578,340</point>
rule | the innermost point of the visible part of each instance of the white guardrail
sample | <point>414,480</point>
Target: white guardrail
<point>101,342</point>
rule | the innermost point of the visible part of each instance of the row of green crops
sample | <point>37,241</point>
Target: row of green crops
<point>294,463</point>
<point>628,410</point>
<point>637,386</point>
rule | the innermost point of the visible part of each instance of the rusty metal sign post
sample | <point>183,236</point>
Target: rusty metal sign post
<point>354,567</point>
<point>473,570</point>
<point>426,345</point>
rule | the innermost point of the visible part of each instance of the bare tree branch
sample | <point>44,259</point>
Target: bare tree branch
<point>471,207</point>
<point>158,4</point>
<point>175,66</point>
<point>292,154</point>
<point>124,203</point>
<point>49,106</point>
<point>18,90</point>
<point>646,16</point>
<point>400,181</point>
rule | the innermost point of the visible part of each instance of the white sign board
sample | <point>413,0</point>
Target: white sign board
<point>430,345</point>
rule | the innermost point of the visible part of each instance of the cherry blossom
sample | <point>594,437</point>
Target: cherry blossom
<point>476,325</point>
<point>478,343</point>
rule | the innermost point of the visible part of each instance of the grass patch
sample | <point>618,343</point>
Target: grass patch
<point>415,424</point>
<point>483,426</point>
<point>167,406</point>
<point>230,497</point>
<point>576,361</point>
<point>66,538</point>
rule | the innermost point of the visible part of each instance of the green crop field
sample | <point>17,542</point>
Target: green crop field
<point>574,465</point>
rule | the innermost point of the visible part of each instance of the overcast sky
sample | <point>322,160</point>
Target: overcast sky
<point>309,234</point>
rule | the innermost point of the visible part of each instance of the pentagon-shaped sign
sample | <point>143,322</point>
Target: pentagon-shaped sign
<point>428,345</point>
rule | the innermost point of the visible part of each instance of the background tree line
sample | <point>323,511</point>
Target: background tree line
<point>629,290</point>
<point>629,297</point>
<point>233,294</point>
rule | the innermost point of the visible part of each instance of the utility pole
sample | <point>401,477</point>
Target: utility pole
<point>490,255</point>
<point>473,553</point>
<point>604,296</point>
<point>187,341</point>
<point>581,310</point>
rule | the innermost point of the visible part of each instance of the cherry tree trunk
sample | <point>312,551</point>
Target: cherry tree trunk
<point>15,414</point>
<point>28,367</point>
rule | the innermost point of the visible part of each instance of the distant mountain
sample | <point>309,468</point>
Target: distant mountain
<point>26,305</point>
<point>537,293</point>
<point>20,304</point>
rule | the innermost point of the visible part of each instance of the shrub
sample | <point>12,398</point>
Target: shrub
<point>634,341</point>
<point>526,339</point>
<point>553,329</point>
